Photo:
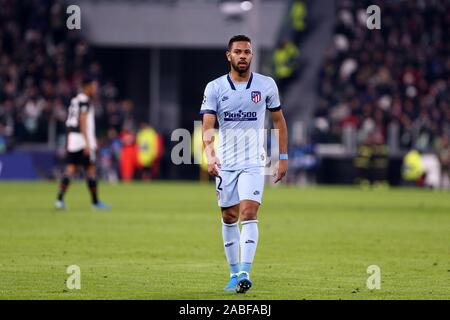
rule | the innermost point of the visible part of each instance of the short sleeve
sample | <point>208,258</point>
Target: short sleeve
<point>84,107</point>
<point>209,103</point>
<point>273,97</point>
<point>84,104</point>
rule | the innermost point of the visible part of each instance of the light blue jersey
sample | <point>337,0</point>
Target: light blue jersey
<point>240,109</point>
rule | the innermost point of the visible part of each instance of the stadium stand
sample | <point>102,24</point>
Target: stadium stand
<point>392,80</point>
<point>41,64</point>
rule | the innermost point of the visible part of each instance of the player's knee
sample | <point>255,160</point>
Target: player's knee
<point>248,213</point>
<point>90,171</point>
<point>68,175</point>
<point>70,171</point>
<point>229,217</point>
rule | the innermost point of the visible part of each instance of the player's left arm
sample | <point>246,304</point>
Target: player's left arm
<point>279,123</point>
<point>83,128</point>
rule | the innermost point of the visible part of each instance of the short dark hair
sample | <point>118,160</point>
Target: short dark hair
<point>87,79</point>
<point>239,37</point>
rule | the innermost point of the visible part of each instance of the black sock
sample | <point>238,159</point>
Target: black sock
<point>92,185</point>
<point>64,184</point>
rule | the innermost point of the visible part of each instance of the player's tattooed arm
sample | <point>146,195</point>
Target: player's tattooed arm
<point>209,121</point>
<point>279,123</point>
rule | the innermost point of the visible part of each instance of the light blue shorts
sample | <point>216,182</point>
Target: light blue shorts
<point>234,186</point>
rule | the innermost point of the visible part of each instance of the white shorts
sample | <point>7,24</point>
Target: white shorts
<point>75,142</point>
<point>234,186</point>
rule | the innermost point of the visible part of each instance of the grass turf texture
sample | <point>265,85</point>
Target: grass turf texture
<point>163,241</point>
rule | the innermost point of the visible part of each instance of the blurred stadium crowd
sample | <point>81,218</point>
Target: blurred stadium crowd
<point>371,81</point>
<point>41,66</point>
<point>390,86</point>
<point>40,69</point>
<point>397,75</point>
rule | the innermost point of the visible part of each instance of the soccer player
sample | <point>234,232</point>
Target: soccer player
<point>239,101</point>
<point>81,143</point>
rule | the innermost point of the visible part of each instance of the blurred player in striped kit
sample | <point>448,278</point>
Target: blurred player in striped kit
<point>81,143</point>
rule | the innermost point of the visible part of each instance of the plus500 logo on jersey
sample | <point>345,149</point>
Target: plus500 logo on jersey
<point>240,116</point>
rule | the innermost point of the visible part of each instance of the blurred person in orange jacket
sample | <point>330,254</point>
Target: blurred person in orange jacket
<point>128,156</point>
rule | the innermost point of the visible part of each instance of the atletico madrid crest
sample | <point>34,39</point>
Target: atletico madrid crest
<point>256,96</point>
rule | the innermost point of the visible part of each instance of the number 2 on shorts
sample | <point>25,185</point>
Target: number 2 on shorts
<point>220,183</point>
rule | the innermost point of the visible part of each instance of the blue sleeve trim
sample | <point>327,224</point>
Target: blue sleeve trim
<point>274,109</point>
<point>207,111</point>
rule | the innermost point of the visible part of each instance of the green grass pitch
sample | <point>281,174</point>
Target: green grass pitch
<point>163,241</point>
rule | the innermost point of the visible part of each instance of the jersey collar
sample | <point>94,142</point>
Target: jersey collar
<point>249,83</point>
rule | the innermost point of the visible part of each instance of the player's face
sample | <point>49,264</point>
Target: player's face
<point>93,88</point>
<point>240,56</point>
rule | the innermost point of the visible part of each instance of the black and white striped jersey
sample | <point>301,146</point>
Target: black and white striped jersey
<point>75,140</point>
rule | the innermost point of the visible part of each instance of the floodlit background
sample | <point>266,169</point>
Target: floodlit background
<point>356,100</point>
<point>364,107</point>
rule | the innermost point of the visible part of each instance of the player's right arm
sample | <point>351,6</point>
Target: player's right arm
<point>209,110</point>
<point>209,121</point>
